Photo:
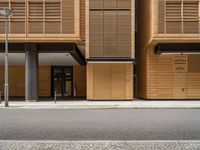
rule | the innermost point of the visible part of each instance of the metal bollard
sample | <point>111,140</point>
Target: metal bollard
<point>55,98</point>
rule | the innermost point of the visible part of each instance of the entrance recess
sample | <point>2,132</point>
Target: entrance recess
<point>62,78</point>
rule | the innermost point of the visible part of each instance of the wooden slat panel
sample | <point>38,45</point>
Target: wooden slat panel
<point>124,36</point>
<point>17,27</point>
<point>68,17</point>
<point>36,9</point>
<point>2,20</point>
<point>161,16</point>
<point>35,27</point>
<point>45,81</point>
<point>79,77</point>
<point>110,4</point>
<point>190,27</point>
<point>193,63</point>
<point>173,27</point>
<point>118,83</point>
<point>109,81</point>
<point>52,27</point>
<point>115,24</point>
<point>110,34</point>
<point>101,81</point>
<point>96,4</point>
<point>82,18</point>
<point>18,9</point>
<point>52,9</point>
<point>96,34</point>
<point>129,82</point>
<point>124,4</point>
<point>17,80</point>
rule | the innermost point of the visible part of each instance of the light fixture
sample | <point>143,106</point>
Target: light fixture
<point>6,13</point>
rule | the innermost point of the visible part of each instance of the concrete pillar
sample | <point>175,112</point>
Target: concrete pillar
<point>31,73</point>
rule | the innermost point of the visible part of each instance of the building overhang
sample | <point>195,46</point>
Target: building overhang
<point>110,59</point>
<point>177,48</point>
<point>70,48</point>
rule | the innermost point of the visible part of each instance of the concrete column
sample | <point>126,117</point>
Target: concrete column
<point>31,73</point>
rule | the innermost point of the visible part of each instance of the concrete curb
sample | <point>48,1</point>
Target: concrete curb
<point>105,105</point>
<point>99,145</point>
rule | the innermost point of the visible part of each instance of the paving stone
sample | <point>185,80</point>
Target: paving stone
<point>100,145</point>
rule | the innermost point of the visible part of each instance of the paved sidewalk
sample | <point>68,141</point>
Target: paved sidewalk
<point>104,104</point>
<point>100,145</point>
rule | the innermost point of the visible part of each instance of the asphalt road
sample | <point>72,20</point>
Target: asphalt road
<point>100,124</point>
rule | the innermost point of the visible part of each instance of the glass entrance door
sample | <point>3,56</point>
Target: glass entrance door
<point>62,85</point>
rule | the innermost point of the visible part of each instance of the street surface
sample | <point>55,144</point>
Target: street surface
<point>100,124</point>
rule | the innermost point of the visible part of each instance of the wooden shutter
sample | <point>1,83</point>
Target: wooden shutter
<point>173,17</point>
<point>124,36</point>
<point>96,4</point>
<point>118,84</point>
<point>110,33</point>
<point>190,17</point>
<point>35,18</point>
<point>110,4</point>
<point>110,28</point>
<point>68,16</point>
<point>52,17</point>
<point>161,16</point>
<point>52,27</point>
<point>18,19</point>
<point>124,4</point>
<point>52,9</point>
<point>36,9</point>
<point>101,81</point>
<point>96,34</point>
<point>2,20</point>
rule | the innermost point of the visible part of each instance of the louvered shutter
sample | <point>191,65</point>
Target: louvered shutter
<point>2,20</point>
<point>110,28</point>
<point>35,17</point>
<point>190,17</point>
<point>173,17</point>
<point>18,19</point>
<point>52,17</point>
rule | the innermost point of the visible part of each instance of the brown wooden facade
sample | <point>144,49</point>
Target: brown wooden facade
<point>110,38</point>
<point>109,81</point>
<point>45,20</point>
<point>172,75</point>
<point>105,28</point>
<point>17,80</point>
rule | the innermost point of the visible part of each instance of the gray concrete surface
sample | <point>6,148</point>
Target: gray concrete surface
<point>100,145</point>
<point>100,124</point>
<point>83,104</point>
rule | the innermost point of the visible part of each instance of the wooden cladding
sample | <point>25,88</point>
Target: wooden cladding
<point>109,81</point>
<point>169,76</point>
<point>42,17</point>
<point>178,17</point>
<point>110,28</point>
<point>17,81</point>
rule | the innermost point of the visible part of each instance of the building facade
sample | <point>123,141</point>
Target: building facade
<point>94,49</point>
<point>71,48</point>
<point>169,57</point>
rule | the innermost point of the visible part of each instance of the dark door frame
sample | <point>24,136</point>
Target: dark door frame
<point>63,79</point>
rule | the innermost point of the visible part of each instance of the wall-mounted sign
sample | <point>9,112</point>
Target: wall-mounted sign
<point>180,63</point>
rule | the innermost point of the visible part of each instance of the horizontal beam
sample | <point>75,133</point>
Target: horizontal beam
<point>177,48</point>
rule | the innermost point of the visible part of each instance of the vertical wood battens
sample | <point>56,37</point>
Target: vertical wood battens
<point>109,81</point>
<point>17,81</point>
<point>111,28</point>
